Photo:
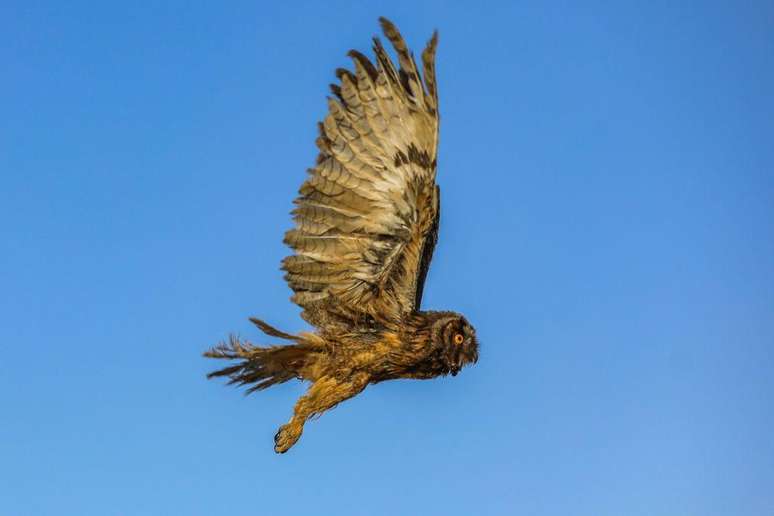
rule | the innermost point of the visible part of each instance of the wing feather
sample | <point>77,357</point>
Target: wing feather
<point>367,216</point>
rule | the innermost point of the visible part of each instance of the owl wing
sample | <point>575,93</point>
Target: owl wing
<point>367,215</point>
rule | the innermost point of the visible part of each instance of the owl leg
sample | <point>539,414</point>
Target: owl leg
<point>324,394</point>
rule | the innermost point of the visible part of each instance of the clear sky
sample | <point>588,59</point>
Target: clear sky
<point>608,226</point>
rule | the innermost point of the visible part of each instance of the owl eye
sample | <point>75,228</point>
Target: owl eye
<point>458,338</point>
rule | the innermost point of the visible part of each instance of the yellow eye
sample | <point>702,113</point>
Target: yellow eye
<point>458,338</point>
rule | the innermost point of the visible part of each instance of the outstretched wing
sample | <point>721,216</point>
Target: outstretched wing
<point>367,216</point>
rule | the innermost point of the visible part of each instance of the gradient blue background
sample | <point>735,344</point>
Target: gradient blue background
<point>608,226</point>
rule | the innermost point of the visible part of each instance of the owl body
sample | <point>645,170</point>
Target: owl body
<point>366,225</point>
<point>383,355</point>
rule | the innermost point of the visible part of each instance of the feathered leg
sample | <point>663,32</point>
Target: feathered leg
<point>324,394</point>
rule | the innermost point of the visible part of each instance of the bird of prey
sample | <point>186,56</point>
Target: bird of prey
<point>366,223</point>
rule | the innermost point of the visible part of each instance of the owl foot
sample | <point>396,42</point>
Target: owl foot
<point>286,437</point>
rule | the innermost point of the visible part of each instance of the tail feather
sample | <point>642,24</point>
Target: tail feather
<point>260,367</point>
<point>271,330</point>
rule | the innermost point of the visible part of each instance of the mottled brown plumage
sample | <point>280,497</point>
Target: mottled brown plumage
<point>366,226</point>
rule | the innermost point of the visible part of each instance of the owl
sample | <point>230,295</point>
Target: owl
<point>366,223</point>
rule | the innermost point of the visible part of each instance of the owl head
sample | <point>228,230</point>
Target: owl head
<point>456,340</point>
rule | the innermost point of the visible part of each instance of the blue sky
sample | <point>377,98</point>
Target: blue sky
<point>608,226</point>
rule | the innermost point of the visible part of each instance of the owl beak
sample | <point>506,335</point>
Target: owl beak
<point>457,366</point>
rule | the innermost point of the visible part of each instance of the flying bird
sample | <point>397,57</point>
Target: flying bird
<point>366,223</point>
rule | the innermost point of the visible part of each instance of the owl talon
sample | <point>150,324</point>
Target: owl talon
<point>286,437</point>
